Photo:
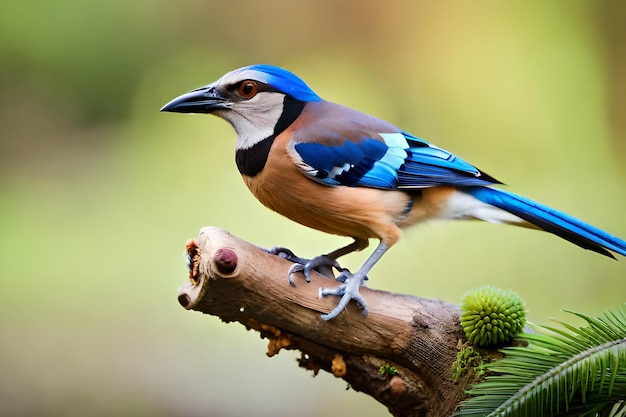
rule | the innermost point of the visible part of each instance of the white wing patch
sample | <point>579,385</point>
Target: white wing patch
<point>396,154</point>
<point>395,140</point>
<point>339,170</point>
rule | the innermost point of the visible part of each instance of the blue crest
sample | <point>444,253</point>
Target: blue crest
<point>285,81</point>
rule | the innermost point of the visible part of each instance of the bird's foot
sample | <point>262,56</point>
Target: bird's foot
<point>322,264</point>
<point>349,290</point>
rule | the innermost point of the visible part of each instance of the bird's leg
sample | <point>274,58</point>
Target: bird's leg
<point>322,264</point>
<point>349,290</point>
<point>358,245</point>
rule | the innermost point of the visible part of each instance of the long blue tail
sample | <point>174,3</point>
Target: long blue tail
<point>550,220</point>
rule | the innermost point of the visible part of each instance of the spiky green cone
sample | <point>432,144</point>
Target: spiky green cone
<point>492,316</point>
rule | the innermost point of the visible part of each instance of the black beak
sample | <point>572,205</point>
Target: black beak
<point>201,100</point>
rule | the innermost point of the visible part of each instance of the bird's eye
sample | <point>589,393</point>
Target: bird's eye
<point>248,89</point>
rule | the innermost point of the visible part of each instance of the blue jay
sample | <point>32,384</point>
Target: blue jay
<point>344,172</point>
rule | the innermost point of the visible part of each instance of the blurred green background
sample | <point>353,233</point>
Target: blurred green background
<point>99,191</point>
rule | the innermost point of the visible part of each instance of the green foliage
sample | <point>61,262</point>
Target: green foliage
<point>576,371</point>
<point>388,370</point>
<point>468,359</point>
<point>492,316</point>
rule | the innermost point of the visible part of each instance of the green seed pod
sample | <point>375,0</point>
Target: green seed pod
<point>492,316</point>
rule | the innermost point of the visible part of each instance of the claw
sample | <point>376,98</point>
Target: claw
<point>348,291</point>
<point>296,268</point>
<point>286,254</point>
<point>322,264</point>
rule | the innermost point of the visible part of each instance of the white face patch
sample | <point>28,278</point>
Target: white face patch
<point>254,119</point>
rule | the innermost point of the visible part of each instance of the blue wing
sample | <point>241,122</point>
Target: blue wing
<point>392,161</point>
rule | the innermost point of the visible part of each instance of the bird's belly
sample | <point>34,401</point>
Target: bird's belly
<point>347,211</point>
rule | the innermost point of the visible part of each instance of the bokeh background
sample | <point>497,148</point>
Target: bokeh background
<point>99,191</point>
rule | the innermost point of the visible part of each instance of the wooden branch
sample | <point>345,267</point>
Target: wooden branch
<point>238,281</point>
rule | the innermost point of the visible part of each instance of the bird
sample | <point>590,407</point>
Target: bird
<point>347,173</point>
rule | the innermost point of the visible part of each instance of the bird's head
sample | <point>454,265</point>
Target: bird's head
<point>258,101</point>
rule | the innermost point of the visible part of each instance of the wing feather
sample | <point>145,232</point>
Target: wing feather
<point>373,153</point>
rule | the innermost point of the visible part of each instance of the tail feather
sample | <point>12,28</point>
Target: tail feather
<point>550,220</point>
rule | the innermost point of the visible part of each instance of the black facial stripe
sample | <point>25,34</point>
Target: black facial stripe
<point>251,161</point>
<point>291,110</point>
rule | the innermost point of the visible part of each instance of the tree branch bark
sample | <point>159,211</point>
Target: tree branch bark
<point>237,281</point>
